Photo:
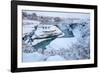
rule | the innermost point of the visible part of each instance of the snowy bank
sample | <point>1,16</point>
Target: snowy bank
<point>55,58</point>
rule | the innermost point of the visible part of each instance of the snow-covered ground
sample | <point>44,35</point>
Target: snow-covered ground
<point>55,58</point>
<point>60,43</point>
<point>32,57</point>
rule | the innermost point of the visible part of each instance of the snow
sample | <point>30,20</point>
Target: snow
<point>37,41</point>
<point>60,43</point>
<point>30,22</point>
<point>27,30</point>
<point>77,33</point>
<point>55,58</point>
<point>52,30</point>
<point>61,15</point>
<point>31,57</point>
<point>28,25</point>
